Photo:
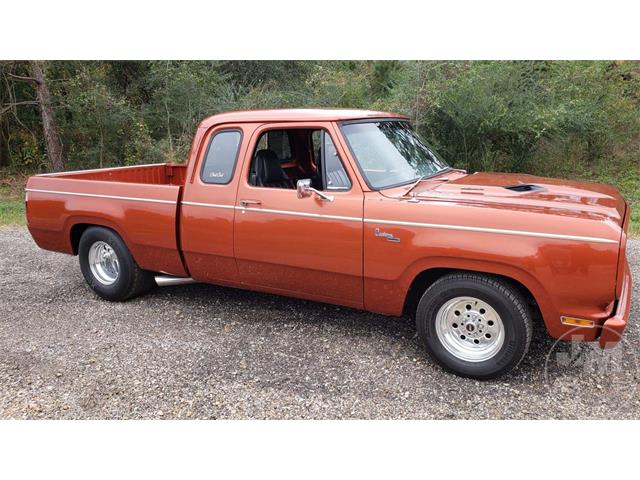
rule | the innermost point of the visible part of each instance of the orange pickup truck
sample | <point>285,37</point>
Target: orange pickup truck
<point>351,207</point>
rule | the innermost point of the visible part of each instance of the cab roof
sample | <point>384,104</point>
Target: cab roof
<point>295,115</point>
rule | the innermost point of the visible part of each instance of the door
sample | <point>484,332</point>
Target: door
<point>309,247</point>
<point>207,208</point>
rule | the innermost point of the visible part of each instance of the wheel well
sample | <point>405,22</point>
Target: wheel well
<point>425,279</point>
<point>76,234</point>
<point>78,229</point>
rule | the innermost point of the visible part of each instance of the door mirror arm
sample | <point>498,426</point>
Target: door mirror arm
<point>305,189</point>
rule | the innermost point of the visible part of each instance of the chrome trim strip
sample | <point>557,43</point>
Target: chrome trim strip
<point>300,214</point>
<point>556,236</point>
<point>209,205</point>
<point>96,195</point>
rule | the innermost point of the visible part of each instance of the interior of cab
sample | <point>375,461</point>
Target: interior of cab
<point>282,157</point>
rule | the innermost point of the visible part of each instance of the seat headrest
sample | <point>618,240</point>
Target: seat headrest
<point>268,169</point>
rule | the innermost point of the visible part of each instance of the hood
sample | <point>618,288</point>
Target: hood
<point>521,191</point>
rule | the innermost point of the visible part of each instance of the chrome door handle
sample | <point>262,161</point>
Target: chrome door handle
<point>246,203</point>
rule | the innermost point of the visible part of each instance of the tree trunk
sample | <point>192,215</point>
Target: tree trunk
<point>49,126</point>
<point>4,144</point>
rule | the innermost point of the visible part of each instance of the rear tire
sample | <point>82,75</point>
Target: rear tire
<point>474,325</point>
<point>108,267</point>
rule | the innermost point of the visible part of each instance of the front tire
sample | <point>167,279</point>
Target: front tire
<point>108,267</point>
<point>474,325</point>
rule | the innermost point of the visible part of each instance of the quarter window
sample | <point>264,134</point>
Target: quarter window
<point>331,170</point>
<point>337,178</point>
<point>220,159</point>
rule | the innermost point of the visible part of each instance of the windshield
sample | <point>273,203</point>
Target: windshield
<point>390,153</point>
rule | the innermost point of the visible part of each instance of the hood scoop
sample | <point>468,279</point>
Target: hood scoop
<point>525,187</point>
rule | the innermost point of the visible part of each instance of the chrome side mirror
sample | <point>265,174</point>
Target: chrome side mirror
<point>305,189</point>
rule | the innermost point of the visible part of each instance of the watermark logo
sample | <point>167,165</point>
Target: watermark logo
<point>591,376</point>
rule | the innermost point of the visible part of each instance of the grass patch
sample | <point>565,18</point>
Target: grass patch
<point>12,212</point>
<point>634,224</point>
<point>12,199</point>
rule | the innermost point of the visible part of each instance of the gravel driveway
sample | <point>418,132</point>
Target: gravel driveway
<point>202,351</point>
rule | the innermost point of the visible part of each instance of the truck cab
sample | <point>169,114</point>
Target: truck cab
<point>243,185</point>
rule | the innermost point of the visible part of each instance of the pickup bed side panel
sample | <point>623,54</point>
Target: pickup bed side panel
<point>566,277</point>
<point>144,215</point>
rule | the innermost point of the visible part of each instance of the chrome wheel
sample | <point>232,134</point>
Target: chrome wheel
<point>103,262</point>
<point>469,329</point>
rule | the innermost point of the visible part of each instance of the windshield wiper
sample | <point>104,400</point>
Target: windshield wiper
<point>424,177</point>
<point>414,185</point>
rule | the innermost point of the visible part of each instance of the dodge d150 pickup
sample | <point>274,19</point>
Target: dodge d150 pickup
<point>351,207</point>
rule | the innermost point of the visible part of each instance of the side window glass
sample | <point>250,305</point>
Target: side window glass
<point>278,142</point>
<point>335,174</point>
<point>316,137</point>
<point>221,157</point>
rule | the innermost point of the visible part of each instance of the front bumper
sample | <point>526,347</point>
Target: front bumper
<point>613,328</point>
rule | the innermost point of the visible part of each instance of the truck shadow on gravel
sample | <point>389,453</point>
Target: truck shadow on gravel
<point>269,314</point>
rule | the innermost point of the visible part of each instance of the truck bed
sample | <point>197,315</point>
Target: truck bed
<point>138,202</point>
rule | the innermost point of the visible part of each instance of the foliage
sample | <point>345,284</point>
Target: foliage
<point>496,115</point>
<point>557,118</point>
